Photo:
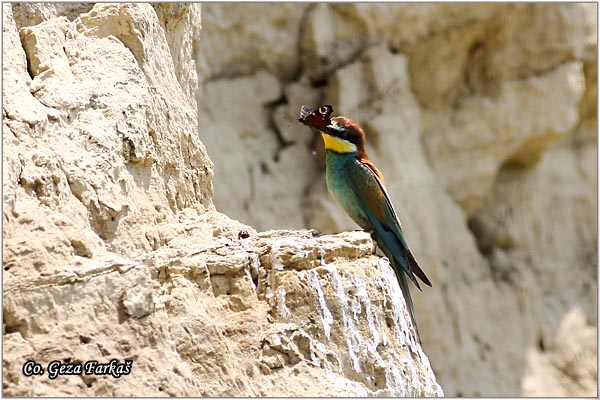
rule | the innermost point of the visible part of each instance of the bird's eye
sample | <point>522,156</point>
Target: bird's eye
<point>323,110</point>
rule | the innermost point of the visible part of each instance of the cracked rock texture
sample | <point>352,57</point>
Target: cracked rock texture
<point>113,248</point>
<point>483,119</point>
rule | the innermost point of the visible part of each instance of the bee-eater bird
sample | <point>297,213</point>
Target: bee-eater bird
<point>357,186</point>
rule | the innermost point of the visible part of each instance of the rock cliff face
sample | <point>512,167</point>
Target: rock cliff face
<point>113,248</point>
<point>482,117</point>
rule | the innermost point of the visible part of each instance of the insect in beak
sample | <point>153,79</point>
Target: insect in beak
<point>319,118</point>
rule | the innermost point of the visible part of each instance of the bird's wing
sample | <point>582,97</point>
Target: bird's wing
<point>383,217</point>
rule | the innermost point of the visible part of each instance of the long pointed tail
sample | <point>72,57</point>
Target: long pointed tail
<point>409,303</point>
<point>404,265</point>
<point>401,276</point>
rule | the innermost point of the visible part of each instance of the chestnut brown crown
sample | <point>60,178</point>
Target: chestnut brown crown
<point>340,127</point>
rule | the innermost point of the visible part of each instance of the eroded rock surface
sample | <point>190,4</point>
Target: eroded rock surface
<point>482,117</point>
<point>280,313</point>
<point>113,248</point>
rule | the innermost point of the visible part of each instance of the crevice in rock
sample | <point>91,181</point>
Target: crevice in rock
<point>301,35</point>
<point>322,79</point>
<point>447,29</point>
<point>492,248</point>
<point>477,230</point>
<point>11,329</point>
<point>484,347</point>
<point>282,143</point>
<point>529,152</point>
<point>486,249</point>
<point>84,339</point>
<point>72,10</point>
<point>264,168</point>
<point>20,175</point>
<point>320,83</point>
<point>252,194</point>
<point>540,343</point>
<point>228,74</point>
<point>27,59</point>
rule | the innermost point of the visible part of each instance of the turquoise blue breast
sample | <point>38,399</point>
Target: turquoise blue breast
<point>340,188</point>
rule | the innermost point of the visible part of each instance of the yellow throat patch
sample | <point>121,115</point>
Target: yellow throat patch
<point>338,145</point>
